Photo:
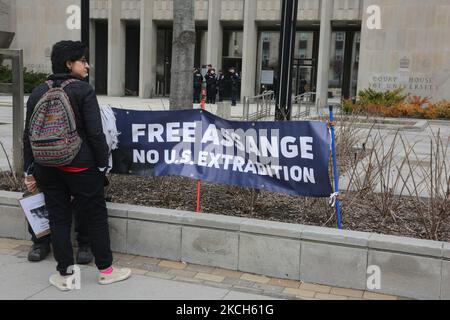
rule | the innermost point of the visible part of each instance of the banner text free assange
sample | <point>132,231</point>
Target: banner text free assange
<point>250,151</point>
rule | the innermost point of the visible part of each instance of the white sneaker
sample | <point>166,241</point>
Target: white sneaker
<point>118,274</point>
<point>63,283</point>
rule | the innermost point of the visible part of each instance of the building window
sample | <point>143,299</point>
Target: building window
<point>304,62</point>
<point>337,64</point>
<point>232,43</point>
<point>355,64</point>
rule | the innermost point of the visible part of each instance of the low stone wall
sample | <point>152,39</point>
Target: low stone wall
<point>409,267</point>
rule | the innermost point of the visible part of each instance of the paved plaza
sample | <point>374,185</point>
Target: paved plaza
<point>156,279</point>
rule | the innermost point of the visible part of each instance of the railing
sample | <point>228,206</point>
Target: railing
<point>304,106</point>
<point>301,105</point>
<point>16,89</point>
<point>264,104</point>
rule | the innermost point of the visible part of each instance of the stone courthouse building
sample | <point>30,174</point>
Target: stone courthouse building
<point>341,46</point>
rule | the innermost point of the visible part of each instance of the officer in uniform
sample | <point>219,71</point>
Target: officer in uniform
<point>235,83</point>
<point>211,86</point>
<point>198,79</point>
<point>221,85</point>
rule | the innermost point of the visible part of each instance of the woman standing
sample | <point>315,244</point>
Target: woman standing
<point>83,177</point>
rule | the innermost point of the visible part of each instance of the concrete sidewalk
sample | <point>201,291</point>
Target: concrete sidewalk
<point>22,280</point>
<point>156,279</point>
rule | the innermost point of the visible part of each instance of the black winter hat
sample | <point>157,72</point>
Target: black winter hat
<point>67,50</point>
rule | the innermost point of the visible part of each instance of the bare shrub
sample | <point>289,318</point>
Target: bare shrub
<point>14,182</point>
<point>433,180</point>
<point>392,180</point>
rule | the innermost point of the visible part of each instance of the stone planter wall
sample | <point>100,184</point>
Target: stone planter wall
<point>409,267</point>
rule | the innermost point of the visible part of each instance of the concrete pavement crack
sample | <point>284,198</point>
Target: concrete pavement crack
<point>27,298</point>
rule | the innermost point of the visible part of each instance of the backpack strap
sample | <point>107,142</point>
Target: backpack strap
<point>49,83</point>
<point>67,82</point>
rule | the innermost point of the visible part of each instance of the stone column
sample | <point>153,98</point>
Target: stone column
<point>215,35</point>
<point>249,53</point>
<point>13,22</point>
<point>6,14</point>
<point>116,49</point>
<point>323,65</point>
<point>147,57</point>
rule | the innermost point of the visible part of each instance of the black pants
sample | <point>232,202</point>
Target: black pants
<point>234,95</point>
<point>87,189</point>
<point>211,95</point>
<point>80,230</point>
<point>197,93</point>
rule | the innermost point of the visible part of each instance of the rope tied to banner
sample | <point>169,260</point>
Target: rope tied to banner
<point>331,124</point>
<point>333,198</point>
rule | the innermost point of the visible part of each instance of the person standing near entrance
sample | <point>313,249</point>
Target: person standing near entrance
<point>198,79</point>
<point>302,86</point>
<point>221,85</point>
<point>66,102</point>
<point>235,84</point>
<point>211,86</point>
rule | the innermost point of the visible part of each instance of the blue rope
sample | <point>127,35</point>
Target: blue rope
<point>335,170</point>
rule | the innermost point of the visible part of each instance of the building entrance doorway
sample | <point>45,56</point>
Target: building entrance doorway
<point>163,61</point>
<point>164,57</point>
<point>304,77</point>
<point>101,57</point>
<point>132,52</point>
<point>228,63</point>
<point>306,53</point>
<point>344,62</point>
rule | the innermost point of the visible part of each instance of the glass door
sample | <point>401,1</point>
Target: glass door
<point>163,61</point>
<point>303,76</point>
<point>304,64</point>
<point>336,66</point>
<point>233,43</point>
<point>305,61</point>
<point>355,65</point>
<point>344,65</point>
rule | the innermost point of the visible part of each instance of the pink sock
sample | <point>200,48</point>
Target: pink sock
<point>107,271</point>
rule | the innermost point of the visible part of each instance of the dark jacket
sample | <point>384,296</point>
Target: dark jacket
<point>221,81</point>
<point>94,150</point>
<point>211,81</point>
<point>198,79</point>
<point>235,80</point>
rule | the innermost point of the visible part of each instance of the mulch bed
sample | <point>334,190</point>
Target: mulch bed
<point>359,214</point>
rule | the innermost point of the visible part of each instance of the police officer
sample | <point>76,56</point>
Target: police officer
<point>211,86</point>
<point>198,79</point>
<point>235,83</point>
<point>221,85</point>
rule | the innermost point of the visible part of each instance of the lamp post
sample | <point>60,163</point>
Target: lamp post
<point>85,17</point>
<point>286,54</point>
